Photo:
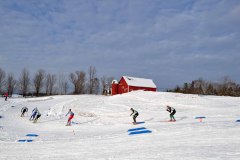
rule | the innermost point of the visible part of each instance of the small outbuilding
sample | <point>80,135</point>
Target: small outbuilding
<point>128,84</point>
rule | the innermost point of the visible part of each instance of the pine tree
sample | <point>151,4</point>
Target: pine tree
<point>185,88</point>
<point>192,89</point>
<point>200,90</point>
<point>177,89</point>
<point>210,90</point>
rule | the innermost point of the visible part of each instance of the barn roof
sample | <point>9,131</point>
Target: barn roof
<point>139,82</point>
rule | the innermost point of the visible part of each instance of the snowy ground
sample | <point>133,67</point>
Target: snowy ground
<point>101,127</point>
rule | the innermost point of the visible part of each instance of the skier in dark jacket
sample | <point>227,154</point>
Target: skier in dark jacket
<point>23,110</point>
<point>172,111</point>
<point>38,115</point>
<point>135,114</point>
<point>34,112</point>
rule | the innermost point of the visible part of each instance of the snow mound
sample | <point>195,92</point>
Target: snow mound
<point>86,114</point>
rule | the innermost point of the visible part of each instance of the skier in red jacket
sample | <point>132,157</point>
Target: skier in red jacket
<point>70,117</point>
<point>6,96</point>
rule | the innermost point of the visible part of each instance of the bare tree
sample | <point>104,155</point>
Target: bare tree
<point>73,80</point>
<point>38,81</point>
<point>106,84</point>
<point>96,86</point>
<point>92,80</point>
<point>2,77</point>
<point>62,83</point>
<point>65,87</point>
<point>47,83</point>
<point>109,82</point>
<point>24,82</point>
<point>78,80</point>
<point>11,83</point>
<point>50,82</point>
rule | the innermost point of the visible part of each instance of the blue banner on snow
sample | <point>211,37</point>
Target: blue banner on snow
<point>136,129</point>
<point>198,117</point>
<point>140,132</point>
<point>25,140</point>
<point>140,122</point>
<point>32,135</point>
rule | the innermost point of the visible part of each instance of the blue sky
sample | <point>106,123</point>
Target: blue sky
<point>169,41</point>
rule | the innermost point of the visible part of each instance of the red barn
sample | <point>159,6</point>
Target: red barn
<point>128,84</point>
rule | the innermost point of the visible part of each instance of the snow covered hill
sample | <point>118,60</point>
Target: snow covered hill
<point>100,128</point>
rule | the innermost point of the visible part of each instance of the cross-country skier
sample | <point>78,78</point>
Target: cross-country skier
<point>6,96</point>
<point>172,111</point>
<point>70,117</point>
<point>38,115</point>
<point>34,112</point>
<point>23,110</point>
<point>135,114</point>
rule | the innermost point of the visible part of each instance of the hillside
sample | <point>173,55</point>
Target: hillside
<point>101,123</point>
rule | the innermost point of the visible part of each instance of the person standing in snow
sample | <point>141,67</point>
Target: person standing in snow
<point>6,96</point>
<point>70,117</point>
<point>38,115</point>
<point>135,114</point>
<point>172,111</point>
<point>23,110</point>
<point>34,112</point>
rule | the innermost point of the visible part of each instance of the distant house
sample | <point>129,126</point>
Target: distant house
<point>128,84</point>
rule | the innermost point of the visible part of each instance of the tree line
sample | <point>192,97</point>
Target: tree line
<point>43,83</point>
<point>226,87</point>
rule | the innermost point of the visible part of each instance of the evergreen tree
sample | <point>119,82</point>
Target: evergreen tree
<point>192,89</point>
<point>200,90</point>
<point>177,89</point>
<point>210,90</point>
<point>185,88</point>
